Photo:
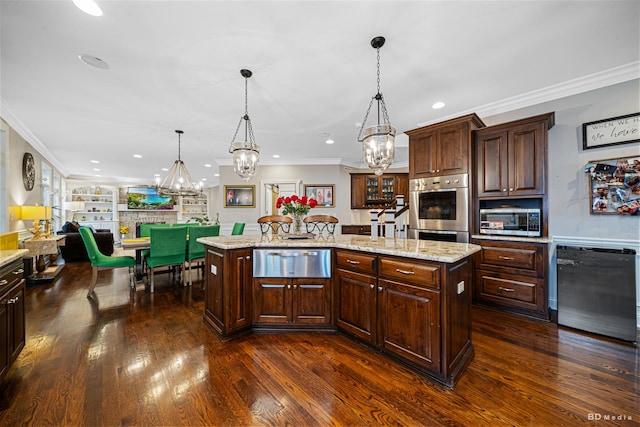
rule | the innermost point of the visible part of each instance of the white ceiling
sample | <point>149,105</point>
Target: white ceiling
<point>176,65</point>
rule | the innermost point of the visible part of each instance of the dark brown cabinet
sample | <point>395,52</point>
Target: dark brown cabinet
<point>12,318</point>
<point>513,276</point>
<point>443,148</point>
<point>511,158</point>
<point>356,294</point>
<point>228,299</point>
<point>398,305</point>
<point>373,191</point>
<point>292,301</point>
<point>363,230</point>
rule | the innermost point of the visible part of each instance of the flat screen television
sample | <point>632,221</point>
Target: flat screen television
<point>148,198</point>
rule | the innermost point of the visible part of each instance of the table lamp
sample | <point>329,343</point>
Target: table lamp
<point>37,214</point>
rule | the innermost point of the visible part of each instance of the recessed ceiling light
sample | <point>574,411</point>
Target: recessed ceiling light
<point>95,161</point>
<point>207,165</point>
<point>216,174</point>
<point>156,174</point>
<point>329,141</point>
<point>89,7</point>
<point>203,179</point>
<point>438,105</point>
<point>93,61</point>
<point>96,169</point>
<point>276,156</point>
<point>165,169</point>
<point>137,156</point>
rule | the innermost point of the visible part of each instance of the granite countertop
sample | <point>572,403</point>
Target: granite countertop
<point>421,249</point>
<point>8,256</point>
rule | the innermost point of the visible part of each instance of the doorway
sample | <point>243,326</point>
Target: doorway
<point>272,189</point>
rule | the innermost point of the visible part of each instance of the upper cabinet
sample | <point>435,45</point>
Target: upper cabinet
<point>443,148</point>
<point>373,191</point>
<point>511,158</point>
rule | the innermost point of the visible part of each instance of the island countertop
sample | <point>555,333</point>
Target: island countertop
<point>9,255</point>
<point>448,252</point>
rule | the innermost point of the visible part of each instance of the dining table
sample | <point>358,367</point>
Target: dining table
<point>138,244</point>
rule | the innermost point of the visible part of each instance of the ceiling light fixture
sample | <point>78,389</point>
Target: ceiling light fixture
<point>89,7</point>
<point>178,181</point>
<point>246,154</point>
<point>93,61</point>
<point>438,105</point>
<point>378,140</point>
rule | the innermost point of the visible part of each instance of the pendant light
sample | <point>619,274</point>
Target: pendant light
<point>246,153</point>
<point>178,181</point>
<point>378,146</point>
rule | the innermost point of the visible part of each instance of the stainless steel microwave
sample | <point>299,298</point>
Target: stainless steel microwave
<point>511,222</point>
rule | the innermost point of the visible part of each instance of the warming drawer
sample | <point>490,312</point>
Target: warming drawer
<point>293,263</point>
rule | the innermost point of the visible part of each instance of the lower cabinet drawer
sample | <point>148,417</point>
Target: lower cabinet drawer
<point>514,290</point>
<point>510,257</point>
<point>356,261</point>
<point>410,272</point>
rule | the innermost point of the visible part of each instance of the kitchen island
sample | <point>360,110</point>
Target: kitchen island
<point>410,299</point>
<point>12,318</point>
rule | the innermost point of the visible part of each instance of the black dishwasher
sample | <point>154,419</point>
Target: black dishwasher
<point>597,290</point>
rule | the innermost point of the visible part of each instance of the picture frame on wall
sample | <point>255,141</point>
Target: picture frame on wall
<point>239,196</point>
<point>324,194</point>
<point>614,186</point>
<point>613,131</point>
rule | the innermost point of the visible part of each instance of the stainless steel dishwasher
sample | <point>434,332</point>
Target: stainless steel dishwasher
<point>294,263</point>
<point>597,290</point>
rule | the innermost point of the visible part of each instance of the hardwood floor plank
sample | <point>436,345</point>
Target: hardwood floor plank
<point>125,358</point>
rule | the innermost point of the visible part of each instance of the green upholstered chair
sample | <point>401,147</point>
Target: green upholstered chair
<point>168,247</point>
<point>238,229</point>
<point>195,249</point>
<point>145,231</point>
<point>100,261</point>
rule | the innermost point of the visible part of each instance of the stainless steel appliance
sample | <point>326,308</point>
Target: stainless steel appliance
<point>597,290</point>
<point>295,263</point>
<point>439,208</point>
<point>511,221</point>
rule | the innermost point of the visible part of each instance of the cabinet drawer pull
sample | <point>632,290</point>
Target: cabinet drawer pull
<point>508,258</point>
<point>3,282</point>
<point>353,262</point>
<point>19,271</point>
<point>405,271</point>
<point>504,189</point>
<point>380,288</point>
<point>12,300</point>
<point>371,286</point>
<point>506,289</point>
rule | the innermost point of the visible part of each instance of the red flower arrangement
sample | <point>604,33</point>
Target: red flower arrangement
<point>296,205</point>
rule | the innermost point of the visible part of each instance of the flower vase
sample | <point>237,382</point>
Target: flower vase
<point>297,223</point>
<point>123,236</point>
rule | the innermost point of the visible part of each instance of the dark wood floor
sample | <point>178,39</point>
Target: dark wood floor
<point>148,359</point>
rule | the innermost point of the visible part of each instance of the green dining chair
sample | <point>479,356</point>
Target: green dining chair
<point>101,261</point>
<point>238,229</point>
<point>145,231</point>
<point>168,247</point>
<point>195,249</point>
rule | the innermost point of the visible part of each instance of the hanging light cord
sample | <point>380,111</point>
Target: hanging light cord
<point>248,130</point>
<point>379,99</point>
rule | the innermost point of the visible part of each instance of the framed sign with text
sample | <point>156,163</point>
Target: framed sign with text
<point>613,131</point>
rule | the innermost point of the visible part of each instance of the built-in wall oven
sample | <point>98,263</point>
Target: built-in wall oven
<point>439,208</point>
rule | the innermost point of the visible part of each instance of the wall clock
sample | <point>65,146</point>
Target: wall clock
<point>28,171</point>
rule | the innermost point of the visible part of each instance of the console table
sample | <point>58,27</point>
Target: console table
<point>38,248</point>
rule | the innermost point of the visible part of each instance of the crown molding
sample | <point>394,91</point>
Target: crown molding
<point>594,81</point>
<point>16,124</point>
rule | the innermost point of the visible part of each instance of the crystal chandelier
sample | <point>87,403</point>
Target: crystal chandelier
<point>178,182</point>
<point>246,153</point>
<point>378,140</point>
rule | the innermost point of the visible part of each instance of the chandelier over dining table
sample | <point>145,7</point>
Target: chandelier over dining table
<point>178,181</point>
